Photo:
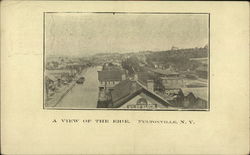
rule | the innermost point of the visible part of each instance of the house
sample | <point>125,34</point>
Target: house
<point>173,96</point>
<point>131,94</point>
<point>110,75</point>
<point>201,103</point>
<point>109,78</point>
<point>195,98</point>
<point>168,79</point>
<point>172,82</point>
<point>189,100</point>
<point>158,65</point>
<point>169,86</point>
<point>104,98</point>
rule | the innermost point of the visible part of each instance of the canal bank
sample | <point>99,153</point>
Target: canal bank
<point>56,98</point>
<point>82,95</point>
<point>52,101</point>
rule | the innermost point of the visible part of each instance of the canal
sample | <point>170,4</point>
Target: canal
<point>83,95</point>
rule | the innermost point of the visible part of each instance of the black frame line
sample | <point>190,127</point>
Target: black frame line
<point>116,109</point>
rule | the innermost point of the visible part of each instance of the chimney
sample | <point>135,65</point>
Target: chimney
<point>150,85</point>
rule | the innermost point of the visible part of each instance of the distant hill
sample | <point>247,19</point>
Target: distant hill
<point>187,53</point>
<point>179,58</point>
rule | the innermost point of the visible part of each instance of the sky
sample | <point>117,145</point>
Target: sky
<point>79,34</point>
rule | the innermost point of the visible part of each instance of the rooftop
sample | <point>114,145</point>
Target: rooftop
<point>198,92</point>
<point>164,72</point>
<point>171,78</point>
<point>123,89</point>
<point>127,89</point>
<point>110,75</point>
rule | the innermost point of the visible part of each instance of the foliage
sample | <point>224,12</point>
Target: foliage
<point>179,59</point>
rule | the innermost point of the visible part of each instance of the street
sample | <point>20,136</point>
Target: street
<point>83,95</point>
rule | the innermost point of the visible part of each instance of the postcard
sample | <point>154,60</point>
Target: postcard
<point>124,77</point>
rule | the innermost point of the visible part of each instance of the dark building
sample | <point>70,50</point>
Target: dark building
<point>109,78</point>
<point>131,94</point>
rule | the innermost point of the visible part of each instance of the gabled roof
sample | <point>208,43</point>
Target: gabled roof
<point>196,84</point>
<point>122,89</point>
<point>128,89</point>
<point>110,75</point>
<point>198,92</point>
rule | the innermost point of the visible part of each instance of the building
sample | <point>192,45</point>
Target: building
<point>110,75</point>
<point>169,79</point>
<point>173,96</point>
<point>195,98</point>
<point>158,65</point>
<point>189,100</point>
<point>171,83</point>
<point>131,94</point>
<point>109,78</point>
<point>195,83</point>
<point>166,83</point>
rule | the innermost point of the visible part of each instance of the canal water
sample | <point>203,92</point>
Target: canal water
<point>83,95</point>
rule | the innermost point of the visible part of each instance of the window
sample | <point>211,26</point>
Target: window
<point>142,101</point>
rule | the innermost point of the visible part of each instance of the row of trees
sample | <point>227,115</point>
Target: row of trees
<point>179,59</point>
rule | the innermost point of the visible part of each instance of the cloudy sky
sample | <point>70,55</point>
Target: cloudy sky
<point>79,34</point>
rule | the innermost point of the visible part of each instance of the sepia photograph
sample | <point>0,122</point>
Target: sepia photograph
<point>126,61</point>
<point>124,77</point>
